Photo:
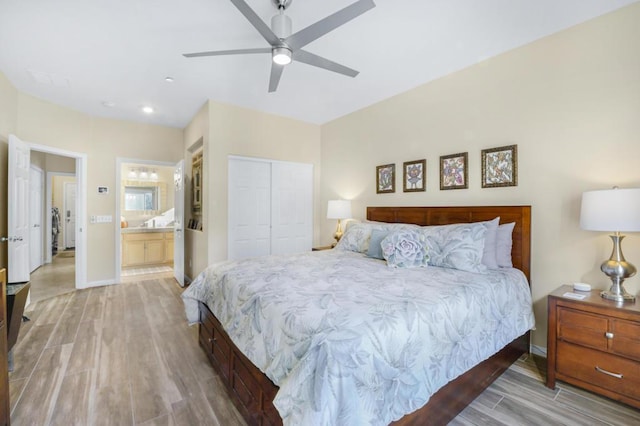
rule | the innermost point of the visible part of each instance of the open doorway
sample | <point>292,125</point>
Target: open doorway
<point>146,206</point>
<point>56,210</point>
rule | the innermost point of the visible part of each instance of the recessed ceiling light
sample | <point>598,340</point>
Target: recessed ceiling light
<point>147,110</point>
<point>108,104</point>
<point>169,79</point>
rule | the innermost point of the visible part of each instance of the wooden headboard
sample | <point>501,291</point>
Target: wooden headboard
<point>521,215</point>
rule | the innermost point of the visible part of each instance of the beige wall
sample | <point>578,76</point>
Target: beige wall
<point>243,132</point>
<point>102,140</point>
<point>570,101</point>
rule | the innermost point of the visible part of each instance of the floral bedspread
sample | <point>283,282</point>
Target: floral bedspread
<point>350,341</point>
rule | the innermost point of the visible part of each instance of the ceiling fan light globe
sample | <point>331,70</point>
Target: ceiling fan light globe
<point>281,55</point>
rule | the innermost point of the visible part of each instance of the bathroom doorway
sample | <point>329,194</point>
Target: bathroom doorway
<point>146,209</point>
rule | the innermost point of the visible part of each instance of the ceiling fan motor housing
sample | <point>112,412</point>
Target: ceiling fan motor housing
<point>281,25</point>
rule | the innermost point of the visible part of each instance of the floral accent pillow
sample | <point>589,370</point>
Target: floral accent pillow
<point>358,234</point>
<point>458,246</point>
<point>405,249</point>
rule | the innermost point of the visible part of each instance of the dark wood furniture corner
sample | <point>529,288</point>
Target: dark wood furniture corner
<point>594,344</point>
<point>4,366</point>
<point>321,248</point>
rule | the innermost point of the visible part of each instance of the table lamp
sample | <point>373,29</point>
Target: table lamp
<point>338,209</point>
<point>614,210</point>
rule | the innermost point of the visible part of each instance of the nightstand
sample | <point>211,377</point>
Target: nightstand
<point>594,344</point>
<point>321,248</point>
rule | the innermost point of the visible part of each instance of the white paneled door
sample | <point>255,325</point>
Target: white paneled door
<point>36,183</point>
<point>69,215</point>
<point>249,209</point>
<point>270,207</point>
<point>18,210</point>
<point>291,207</point>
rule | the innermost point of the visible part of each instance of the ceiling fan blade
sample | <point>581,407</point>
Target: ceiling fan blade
<point>276,73</point>
<point>258,23</point>
<point>228,52</point>
<point>330,23</point>
<point>320,62</point>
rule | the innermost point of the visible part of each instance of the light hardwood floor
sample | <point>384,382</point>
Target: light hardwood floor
<point>124,355</point>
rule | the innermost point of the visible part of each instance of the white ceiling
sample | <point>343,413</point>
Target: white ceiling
<point>83,53</point>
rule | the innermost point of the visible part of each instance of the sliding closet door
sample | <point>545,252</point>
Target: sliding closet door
<point>249,208</point>
<point>291,207</point>
<point>270,207</point>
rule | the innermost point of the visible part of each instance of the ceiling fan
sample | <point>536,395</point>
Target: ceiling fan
<point>285,46</point>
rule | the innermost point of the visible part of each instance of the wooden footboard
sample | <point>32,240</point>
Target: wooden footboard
<point>252,392</point>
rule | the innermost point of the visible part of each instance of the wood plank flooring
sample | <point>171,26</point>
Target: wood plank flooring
<point>124,355</point>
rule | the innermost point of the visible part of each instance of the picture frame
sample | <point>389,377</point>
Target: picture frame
<point>454,171</point>
<point>414,176</point>
<point>386,179</point>
<point>500,166</point>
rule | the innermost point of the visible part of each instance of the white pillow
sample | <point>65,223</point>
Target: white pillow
<point>489,256</point>
<point>504,242</point>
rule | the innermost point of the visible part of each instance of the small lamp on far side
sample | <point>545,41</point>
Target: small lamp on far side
<point>614,210</point>
<point>338,209</point>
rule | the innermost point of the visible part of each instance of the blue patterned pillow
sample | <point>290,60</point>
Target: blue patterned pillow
<point>375,246</point>
<point>405,249</point>
<point>458,246</point>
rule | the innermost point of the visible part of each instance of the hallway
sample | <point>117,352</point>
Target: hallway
<point>55,278</point>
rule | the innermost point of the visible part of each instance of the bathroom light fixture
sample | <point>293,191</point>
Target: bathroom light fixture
<point>153,175</point>
<point>143,174</point>
<point>132,174</point>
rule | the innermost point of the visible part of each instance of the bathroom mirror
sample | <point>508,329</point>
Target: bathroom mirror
<point>141,198</point>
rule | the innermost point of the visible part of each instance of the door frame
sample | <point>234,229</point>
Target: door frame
<point>81,207</point>
<point>118,195</point>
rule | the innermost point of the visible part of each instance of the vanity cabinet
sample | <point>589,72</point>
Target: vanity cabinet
<point>168,247</point>
<point>146,248</point>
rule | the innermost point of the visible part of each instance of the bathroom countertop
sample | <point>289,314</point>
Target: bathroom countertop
<point>139,229</point>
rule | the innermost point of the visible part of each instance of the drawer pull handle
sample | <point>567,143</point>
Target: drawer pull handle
<point>608,373</point>
<point>608,335</point>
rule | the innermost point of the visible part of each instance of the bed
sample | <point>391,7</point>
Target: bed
<point>253,392</point>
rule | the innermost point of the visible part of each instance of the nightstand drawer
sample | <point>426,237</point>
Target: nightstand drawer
<point>592,366</point>
<point>626,338</point>
<point>582,328</point>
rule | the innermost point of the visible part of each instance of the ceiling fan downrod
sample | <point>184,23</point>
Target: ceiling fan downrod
<point>281,4</point>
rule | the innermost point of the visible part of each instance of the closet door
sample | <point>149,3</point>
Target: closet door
<point>291,207</point>
<point>249,220</point>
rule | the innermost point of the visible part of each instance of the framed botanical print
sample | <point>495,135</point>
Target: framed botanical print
<point>386,178</point>
<point>454,173</point>
<point>500,166</point>
<point>414,179</point>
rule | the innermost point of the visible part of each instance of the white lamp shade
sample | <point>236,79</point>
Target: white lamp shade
<point>339,209</point>
<point>611,210</point>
